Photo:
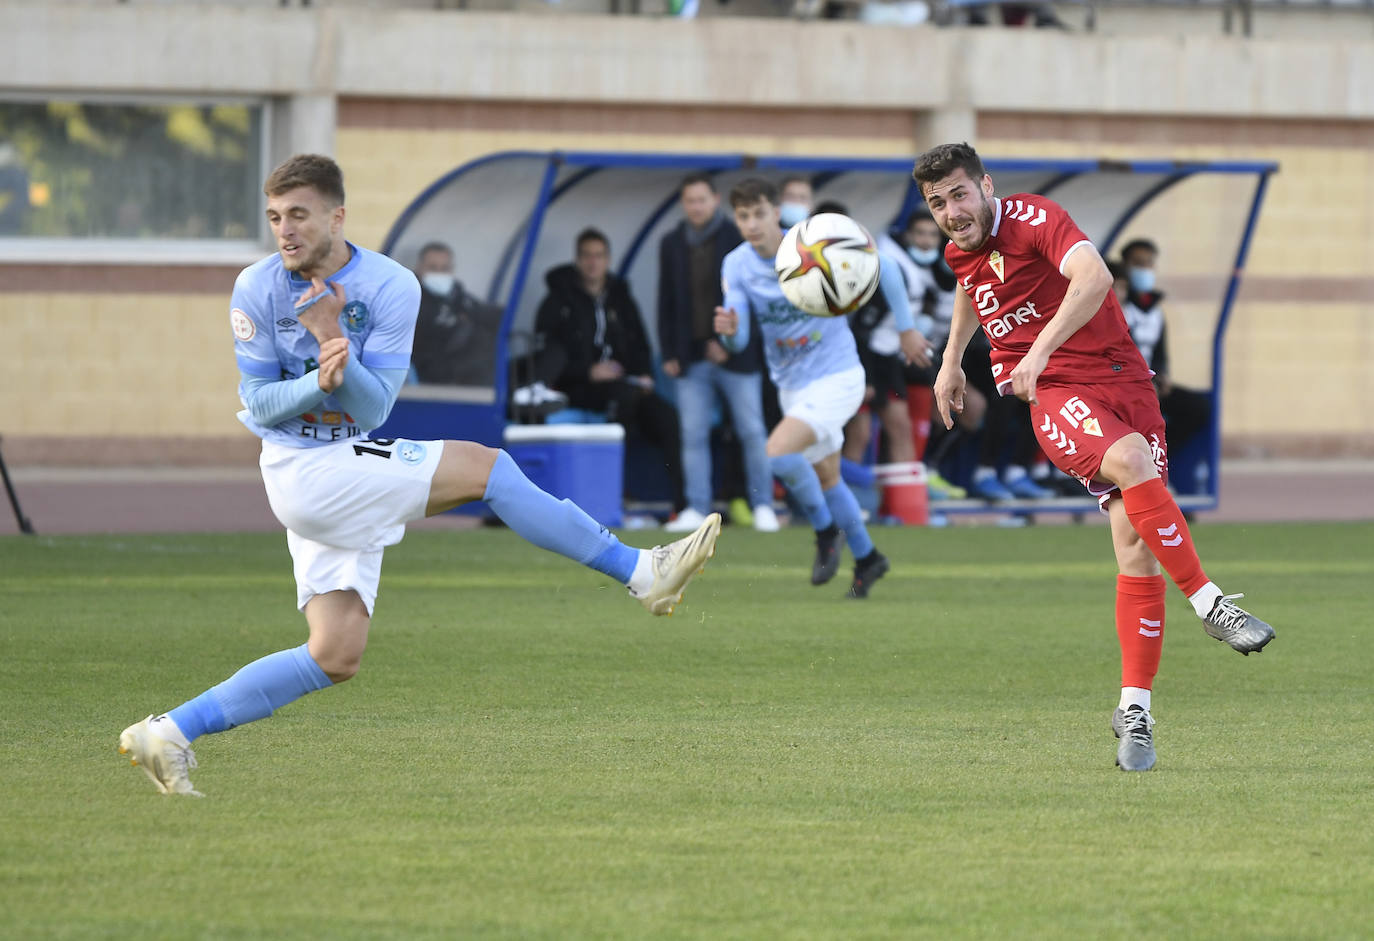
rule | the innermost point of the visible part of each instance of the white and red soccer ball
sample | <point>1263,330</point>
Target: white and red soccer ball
<point>827,265</point>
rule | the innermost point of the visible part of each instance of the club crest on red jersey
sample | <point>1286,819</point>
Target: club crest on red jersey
<point>998,265</point>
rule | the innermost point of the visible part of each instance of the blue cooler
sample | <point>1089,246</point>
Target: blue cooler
<point>583,463</point>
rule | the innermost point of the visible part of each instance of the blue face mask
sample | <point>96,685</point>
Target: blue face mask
<point>1142,279</point>
<point>923,256</point>
<point>789,214</point>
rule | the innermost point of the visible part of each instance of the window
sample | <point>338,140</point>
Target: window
<point>183,173</point>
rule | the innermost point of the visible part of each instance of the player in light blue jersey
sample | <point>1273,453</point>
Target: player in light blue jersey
<point>323,333</point>
<point>815,365</point>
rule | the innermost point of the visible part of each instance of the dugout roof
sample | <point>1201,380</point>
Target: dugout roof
<point>511,216</point>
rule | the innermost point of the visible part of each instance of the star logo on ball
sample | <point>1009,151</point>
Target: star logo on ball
<point>812,255</point>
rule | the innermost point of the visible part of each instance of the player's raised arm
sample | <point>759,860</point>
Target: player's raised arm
<point>1089,282</point>
<point>372,380</point>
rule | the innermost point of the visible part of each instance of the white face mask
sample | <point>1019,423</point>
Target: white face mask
<point>789,214</point>
<point>437,282</point>
<point>923,256</point>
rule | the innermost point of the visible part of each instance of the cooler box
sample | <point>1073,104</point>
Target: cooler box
<point>582,463</point>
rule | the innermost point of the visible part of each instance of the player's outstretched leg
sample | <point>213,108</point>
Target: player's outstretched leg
<point>869,564</point>
<point>800,479</point>
<point>161,744</point>
<point>1157,518</point>
<point>656,577</point>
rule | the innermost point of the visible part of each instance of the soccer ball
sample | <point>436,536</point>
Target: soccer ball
<point>827,265</point>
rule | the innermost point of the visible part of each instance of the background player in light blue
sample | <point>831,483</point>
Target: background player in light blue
<point>323,333</point>
<point>815,365</point>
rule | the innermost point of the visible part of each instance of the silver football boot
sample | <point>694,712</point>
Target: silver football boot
<point>1136,749</point>
<point>1232,624</point>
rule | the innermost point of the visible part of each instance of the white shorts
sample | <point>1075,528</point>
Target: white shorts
<point>344,503</point>
<point>826,405</point>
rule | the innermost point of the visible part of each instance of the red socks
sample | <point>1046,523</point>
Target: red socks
<point>1157,518</point>
<point>1140,627</point>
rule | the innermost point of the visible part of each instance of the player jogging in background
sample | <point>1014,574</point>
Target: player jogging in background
<point>1043,295</point>
<point>815,365</point>
<point>322,334</point>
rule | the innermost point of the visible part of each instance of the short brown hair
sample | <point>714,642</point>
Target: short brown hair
<point>939,162</point>
<point>313,170</point>
<point>750,190</point>
<point>692,179</point>
<point>592,234</point>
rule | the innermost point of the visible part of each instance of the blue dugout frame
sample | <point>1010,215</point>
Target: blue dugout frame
<point>485,421</point>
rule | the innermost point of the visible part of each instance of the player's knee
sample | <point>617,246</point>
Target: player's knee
<point>339,652</point>
<point>1129,462</point>
<point>339,664</point>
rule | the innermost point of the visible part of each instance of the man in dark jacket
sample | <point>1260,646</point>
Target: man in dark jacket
<point>689,259</point>
<point>590,316</point>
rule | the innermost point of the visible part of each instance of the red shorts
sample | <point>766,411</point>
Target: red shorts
<point>1076,424</point>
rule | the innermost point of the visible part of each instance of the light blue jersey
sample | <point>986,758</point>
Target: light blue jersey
<point>382,301</point>
<point>799,348</point>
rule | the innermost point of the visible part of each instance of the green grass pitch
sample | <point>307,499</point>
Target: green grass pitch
<point>528,754</point>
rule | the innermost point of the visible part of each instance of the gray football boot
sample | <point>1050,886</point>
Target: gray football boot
<point>1136,749</point>
<point>1229,622</point>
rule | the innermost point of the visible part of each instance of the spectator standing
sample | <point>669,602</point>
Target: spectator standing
<point>689,290</point>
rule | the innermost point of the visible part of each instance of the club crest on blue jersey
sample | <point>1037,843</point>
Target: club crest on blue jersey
<point>411,452</point>
<point>355,316</point>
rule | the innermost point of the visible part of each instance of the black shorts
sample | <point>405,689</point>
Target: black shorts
<point>885,375</point>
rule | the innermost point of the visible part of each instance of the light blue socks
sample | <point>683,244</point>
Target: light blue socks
<point>266,685</point>
<point>845,509</point>
<point>252,693</point>
<point>800,479</point>
<point>557,525</point>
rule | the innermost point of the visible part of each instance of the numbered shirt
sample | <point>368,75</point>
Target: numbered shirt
<point>799,348</point>
<point>1016,283</point>
<point>378,317</point>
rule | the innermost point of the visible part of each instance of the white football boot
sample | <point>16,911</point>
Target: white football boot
<point>674,565</point>
<point>166,763</point>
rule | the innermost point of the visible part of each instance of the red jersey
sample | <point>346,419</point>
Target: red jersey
<point>1016,284</point>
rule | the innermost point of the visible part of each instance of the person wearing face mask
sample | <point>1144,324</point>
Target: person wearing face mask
<point>1186,411</point>
<point>797,197</point>
<point>455,333</point>
<point>917,247</point>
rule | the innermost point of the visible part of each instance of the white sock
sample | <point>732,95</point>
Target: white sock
<point>1135,696</point>
<point>1013,473</point>
<point>983,472</point>
<point>1204,598</point>
<point>642,579</point>
<point>166,728</point>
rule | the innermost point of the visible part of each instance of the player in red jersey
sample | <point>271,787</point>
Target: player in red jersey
<point>1043,295</point>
